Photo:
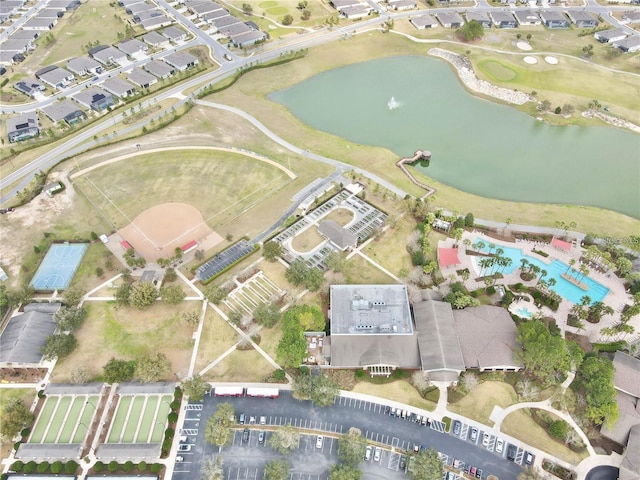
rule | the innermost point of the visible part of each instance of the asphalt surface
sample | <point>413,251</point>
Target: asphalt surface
<point>605,472</point>
<point>223,259</point>
<point>245,460</point>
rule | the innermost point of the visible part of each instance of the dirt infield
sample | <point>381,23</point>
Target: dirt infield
<point>157,231</point>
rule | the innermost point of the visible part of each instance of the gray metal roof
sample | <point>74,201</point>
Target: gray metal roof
<point>22,121</point>
<point>449,17</point>
<point>437,337</point>
<point>42,307</point>
<point>136,388</point>
<point>630,466</point>
<point>341,237</point>
<point>24,336</point>
<point>626,375</point>
<point>357,351</point>
<point>73,389</point>
<point>118,451</point>
<point>422,20</point>
<point>477,16</point>
<point>62,451</point>
<point>118,86</point>
<point>487,337</point>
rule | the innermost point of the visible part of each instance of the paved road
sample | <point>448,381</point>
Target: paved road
<point>334,420</point>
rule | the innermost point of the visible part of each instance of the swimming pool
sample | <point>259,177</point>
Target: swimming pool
<point>555,269</point>
<point>524,312</point>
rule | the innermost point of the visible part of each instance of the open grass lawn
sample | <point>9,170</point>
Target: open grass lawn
<point>391,250</point>
<point>358,270</point>
<point>96,257</point>
<point>128,333</point>
<point>519,424</point>
<point>400,391</point>
<point>217,337</point>
<point>270,337</point>
<point>240,366</point>
<point>27,395</point>
<point>218,184</point>
<point>341,216</point>
<point>308,240</point>
<point>275,272</point>
<point>251,91</point>
<point>478,404</point>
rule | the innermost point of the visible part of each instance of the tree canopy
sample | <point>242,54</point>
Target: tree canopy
<point>277,469</point>
<point>218,430</point>
<point>470,31</point>
<point>284,439</point>
<point>292,347</point>
<point>116,370</point>
<point>427,466</point>
<point>215,294</point>
<point>351,447</point>
<point>299,273</point>
<point>323,390</point>
<point>212,469</point>
<point>58,346</point>
<point>15,417</point>
<point>341,471</point>
<point>271,250</point>
<point>267,314</point>
<point>153,367</point>
<point>195,388</point>
<point>70,319</point>
<point>172,294</point>
<point>142,295</point>
<point>596,377</point>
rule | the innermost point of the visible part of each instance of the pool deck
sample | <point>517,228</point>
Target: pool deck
<point>617,297</point>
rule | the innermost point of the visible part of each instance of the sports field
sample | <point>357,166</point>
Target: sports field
<point>140,419</point>
<point>219,184</point>
<point>59,266</point>
<point>64,419</point>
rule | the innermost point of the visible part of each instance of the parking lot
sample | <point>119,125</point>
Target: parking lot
<point>223,259</point>
<point>395,435</point>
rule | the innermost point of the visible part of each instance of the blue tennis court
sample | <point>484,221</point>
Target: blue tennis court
<point>59,266</point>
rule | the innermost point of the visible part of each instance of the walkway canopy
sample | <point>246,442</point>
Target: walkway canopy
<point>561,244</point>
<point>447,257</point>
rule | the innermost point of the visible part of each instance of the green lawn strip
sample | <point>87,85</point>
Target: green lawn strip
<point>391,250</point>
<point>241,366</point>
<point>358,270</point>
<point>269,339</point>
<point>399,391</point>
<point>478,404</point>
<point>217,337</point>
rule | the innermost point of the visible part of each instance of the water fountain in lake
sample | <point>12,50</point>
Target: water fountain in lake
<point>392,104</point>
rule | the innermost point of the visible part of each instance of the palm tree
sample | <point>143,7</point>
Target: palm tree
<point>543,273</point>
<point>551,282</point>
<point>523,264</point>
<point>491,247</point>
<point>572,262</point>
<point>484,263</point>
<point>466,242</point>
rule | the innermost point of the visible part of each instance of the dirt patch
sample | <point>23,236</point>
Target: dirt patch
<point>159,230</point>
<point>22,375</point>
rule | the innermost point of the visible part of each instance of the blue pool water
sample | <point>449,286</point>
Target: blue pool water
<point>524,313</point>
<point>555,269</point>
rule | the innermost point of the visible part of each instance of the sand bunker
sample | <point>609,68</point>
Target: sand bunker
<point>530,60</point>
<point>524,46</point>
<point>551,60</point>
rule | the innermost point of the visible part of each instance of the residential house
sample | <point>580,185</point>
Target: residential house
<point>628,45</point>
<point>201,9</point>
<point>402,4</point>
<point>141,78</point>
<point>158,68</point>
<point>503,19</point>
<point>129,3</point>
<point>154,22</point>
<point>582,19</point>
<point>51,13</point>
<point>10,58</point>
<point>108,55</point>
<point>174,34</point>
<point>221,22</point>
<point>139,7</point>
<point>626,380</point>
<point>147,15</point>
<point>22,127</point>
<point>155,40</point>
<point>133,47</point>
<point>340,237</point>
<point>40,24</point>
<point>17,45</point>
<point>554,19</point>
<point>95,98</point>
<point>30,86</point>
<point>84,66</point>
<point>481,17</point>
<point>357,11</point>
<point>340,4</point>
<point>631,18</point>
<point>26,333</point>
<point>64,111</point>
<point>450,19</point>
<point>248,39</point>
<point>68,5</point>
<point>527,18</point>
<point>119,87</point>
<point>56,77</point>
<point>31,35</point>
<point>181,61</point>
<point>235,29</point>
<point>213,16</point>
<point>610,36</point>
<point>424,21</point>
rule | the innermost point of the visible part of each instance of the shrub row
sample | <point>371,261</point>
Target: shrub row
<point>69,467</point>
<point>127,467</point>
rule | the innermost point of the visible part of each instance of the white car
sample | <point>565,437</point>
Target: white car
<point>319,441</point>
<point>499,445</point>
<point>376,454</point>
<point>486,438</point>
<point>367,453</point>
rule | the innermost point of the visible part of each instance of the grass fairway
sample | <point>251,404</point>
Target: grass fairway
<point>479,403</point>
<point>219,184</point>
<point>497,71</point>
<point>217,337</point>
<point>400,391</point>
<point>128,333</point>
<point>240,366</point>
<point>519,424</point>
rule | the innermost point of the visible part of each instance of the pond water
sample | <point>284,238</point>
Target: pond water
<point>408,103</point>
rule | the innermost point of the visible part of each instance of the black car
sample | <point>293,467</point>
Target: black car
<point>386,410</point>
<point>512,450</point>
<point>456,427</point>
<point>245,435</point>
<point>261,438</point>
<point>403,462</point>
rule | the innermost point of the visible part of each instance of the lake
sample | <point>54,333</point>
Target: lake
<point>408,103</point>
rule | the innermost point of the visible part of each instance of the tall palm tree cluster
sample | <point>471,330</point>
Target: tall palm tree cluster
<point>494,263</point>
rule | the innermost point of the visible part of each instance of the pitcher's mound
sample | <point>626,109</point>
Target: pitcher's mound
<point>157,231</point>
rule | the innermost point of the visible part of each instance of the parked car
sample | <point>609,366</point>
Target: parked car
<point>416,448</point>
<point>512,450</point>
<point>242,419</point>
<point>261,438</point>
<point>472,471</point>
<point>263,420</point>
<point>184,448</point>
<point>499,445</point>
<point>319,441</point>
<point>252,420</point>
<point>179,459</point>
<point>478,473</point>
<point>450,476</point>
<point>528,458</point>
<point>457,426</point>
<point>245,435</point>
<point>367,453</point>
<point>403,462</point>
<point>393,412</point>
<point>473,435</point>
<point>387,409</point>
<point>376,454</point>
<point>486,439</point>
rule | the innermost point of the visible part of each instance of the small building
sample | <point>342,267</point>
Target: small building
<point>155,40</point>
<point>119,87</point>
<point>16,45</point>
<point>582,19</point>
<point>554,19</point>
<point>30,86</point>
<point>158,68</point>
<point>95,98</point>
<point>610,36</point>
<point>22,127</point>
<point>630,465</point>
<point>626,380</point>
<point>146,15</point>
<point>400,5</point>
<point>133,47</point>
<point>355,12</point>
<point>202,8</point>
<point>631,17</point>
<point>248,39</point>
<point>502,19</point>
<point>108,55</point>
<point>141,78</point>
<point>84,66</point>
<point>40,24</point>
<point>340,237</point>
<point>481,17</point>
<point>56,77</point>
<point>340,4</point>
<point>424,21</point>
<point>212,16</point>
<point>450,19</point>
<point>181,61</point>
<point>174,34</point>
<point>628,45</point>
<point>156,22</point>
<point>64,111</point>
<point>139,7</point>
<point>527,17</point>
<point>221,22</point>
<point>235,29</point>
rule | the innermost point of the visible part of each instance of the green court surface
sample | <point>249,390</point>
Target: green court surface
<point>64,419</point>
<point>140,419</point>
